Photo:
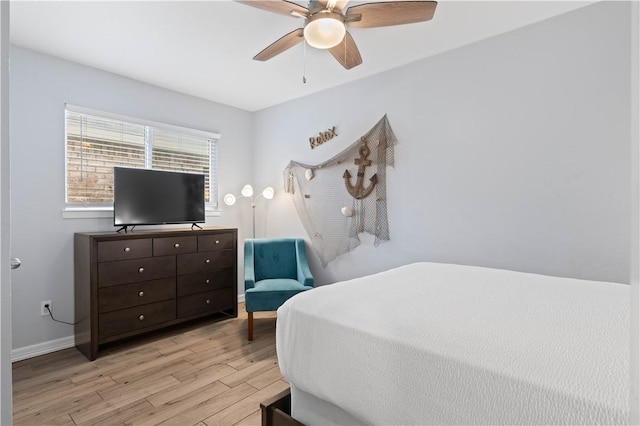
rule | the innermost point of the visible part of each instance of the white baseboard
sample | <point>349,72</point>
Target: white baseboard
<point>42,348</point>
<point>54,345</point>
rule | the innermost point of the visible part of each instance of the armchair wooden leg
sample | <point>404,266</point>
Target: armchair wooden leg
<point>250,323</point>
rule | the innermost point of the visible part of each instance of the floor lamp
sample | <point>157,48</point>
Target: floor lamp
<point>247,192</point>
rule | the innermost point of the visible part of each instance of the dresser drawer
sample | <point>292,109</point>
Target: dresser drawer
<point>207,261</point>
<point>139,317</point>
<point>174,245</point>
<point>205,281</point>
<point>124,249</point>
<point>128,295</point>
<point>222,241</point>
<point>202,303</point>
<point>129,271</point>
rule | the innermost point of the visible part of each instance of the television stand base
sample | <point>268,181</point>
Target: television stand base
<point>196,225</point>
<point>125,227</point>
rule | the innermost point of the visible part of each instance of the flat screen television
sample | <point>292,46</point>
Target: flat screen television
<point>153,197</point>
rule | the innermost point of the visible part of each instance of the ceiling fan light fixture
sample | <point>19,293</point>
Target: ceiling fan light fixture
<point>325,29</point>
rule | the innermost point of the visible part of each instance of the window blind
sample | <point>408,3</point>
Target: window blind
<point>182,153</point>
<point>94,145</point>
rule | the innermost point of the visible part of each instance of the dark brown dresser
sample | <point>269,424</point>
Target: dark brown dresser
<point>131,283</point>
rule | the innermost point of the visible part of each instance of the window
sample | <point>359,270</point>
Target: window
<point>97,141</point>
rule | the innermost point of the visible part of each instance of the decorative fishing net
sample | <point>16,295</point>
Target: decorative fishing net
<point>345,195</point>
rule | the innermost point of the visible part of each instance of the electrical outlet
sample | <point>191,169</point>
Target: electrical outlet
<point>43,309</point>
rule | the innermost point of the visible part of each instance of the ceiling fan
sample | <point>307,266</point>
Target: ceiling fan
<point>326,22</point>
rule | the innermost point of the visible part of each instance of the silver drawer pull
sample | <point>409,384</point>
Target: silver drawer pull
<point>177,245</point>
<point>208,301</point>
<point>141,317</point>
<point>141,294</point>
<point>141,270</point>
<point>207,261</point>
<point>127,249</point>
<point>15,263</point>
<point>217,241</point>
<point>207,281</point>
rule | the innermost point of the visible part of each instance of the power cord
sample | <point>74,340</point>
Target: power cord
<point>64,322</point>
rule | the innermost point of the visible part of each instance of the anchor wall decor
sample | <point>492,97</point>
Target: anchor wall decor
<point>358,191</point>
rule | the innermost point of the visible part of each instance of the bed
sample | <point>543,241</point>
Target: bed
<point>430,343</point>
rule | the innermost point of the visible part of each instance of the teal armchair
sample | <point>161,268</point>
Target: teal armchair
<point>275,269</point>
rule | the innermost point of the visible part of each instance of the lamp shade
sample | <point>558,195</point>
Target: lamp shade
<point>325,30</point>
<point>268,193</point>
<point>229,199</point>
<point>247,191</point>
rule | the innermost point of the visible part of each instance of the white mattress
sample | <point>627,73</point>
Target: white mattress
<point>447,344</point>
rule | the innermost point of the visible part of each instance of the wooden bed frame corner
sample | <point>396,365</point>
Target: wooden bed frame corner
<point>276,411</point>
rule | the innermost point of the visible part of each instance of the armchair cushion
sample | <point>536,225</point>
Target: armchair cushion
<point>275,259</point>
<point>278,284</point>
<point>268,294</point>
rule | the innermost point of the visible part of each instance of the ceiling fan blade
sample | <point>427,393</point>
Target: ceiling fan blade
<point>347,52</point>
<point>283,7</point>
<point>390,13</point>
<point>283,43</point>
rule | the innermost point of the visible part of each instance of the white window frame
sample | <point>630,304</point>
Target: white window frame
<point>73,211</point>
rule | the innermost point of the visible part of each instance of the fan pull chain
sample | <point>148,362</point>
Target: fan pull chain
<point>304,61</point>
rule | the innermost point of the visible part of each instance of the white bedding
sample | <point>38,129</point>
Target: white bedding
<point>434,343</point>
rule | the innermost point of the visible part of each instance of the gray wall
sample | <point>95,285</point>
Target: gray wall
<point>513,152</point>
<point>40,86</point>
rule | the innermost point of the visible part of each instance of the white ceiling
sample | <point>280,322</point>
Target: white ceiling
<point>204,48</point>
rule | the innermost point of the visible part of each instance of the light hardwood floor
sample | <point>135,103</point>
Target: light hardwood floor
<point>205,374</point>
